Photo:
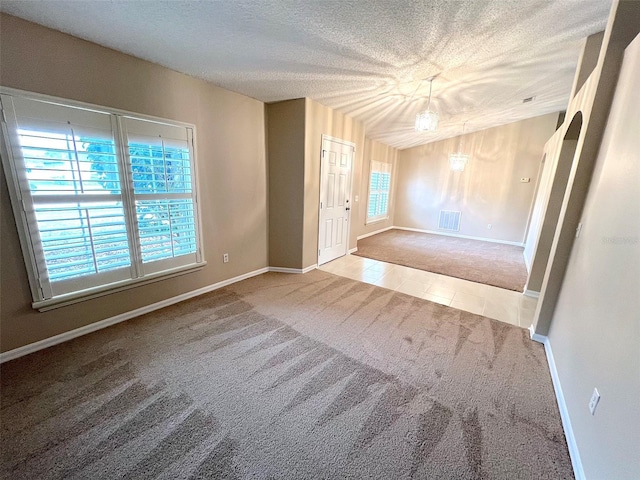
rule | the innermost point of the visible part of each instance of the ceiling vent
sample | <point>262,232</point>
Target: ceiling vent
<point>528,99</point>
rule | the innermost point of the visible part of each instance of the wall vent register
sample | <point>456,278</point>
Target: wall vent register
<point>449,220</point>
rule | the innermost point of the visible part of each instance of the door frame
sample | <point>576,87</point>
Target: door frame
<point>349,188</point>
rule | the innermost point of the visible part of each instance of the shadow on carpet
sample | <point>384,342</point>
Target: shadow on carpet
<point>490,263</point>
<point>285,376</point>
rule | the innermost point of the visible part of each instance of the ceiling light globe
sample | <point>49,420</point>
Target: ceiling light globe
<point>427,121</point>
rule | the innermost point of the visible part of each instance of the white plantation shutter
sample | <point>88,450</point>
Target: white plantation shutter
<point>164,193</point>
<point>379,190</point>
<point>98,206</point>
<point>75,223</point>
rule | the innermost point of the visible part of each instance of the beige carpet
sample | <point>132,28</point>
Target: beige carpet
<point>287,377</point>
<point>490,263</point>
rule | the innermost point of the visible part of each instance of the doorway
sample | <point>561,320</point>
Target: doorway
<point>336,163</point>
<point>553,204</point>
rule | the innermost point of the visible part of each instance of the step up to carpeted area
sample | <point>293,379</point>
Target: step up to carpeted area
<point>490,263</point>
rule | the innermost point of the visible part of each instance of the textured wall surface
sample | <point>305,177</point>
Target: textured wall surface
<point>230,135</point>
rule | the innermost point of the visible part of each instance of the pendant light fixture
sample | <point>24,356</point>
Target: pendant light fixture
<point>459,160</point>
<point>427,121</point>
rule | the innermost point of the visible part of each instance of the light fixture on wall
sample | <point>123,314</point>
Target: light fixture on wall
<point>458,160</point>
<point>427,121</point>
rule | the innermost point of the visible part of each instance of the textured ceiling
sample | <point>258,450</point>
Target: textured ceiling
<point>365,58</point>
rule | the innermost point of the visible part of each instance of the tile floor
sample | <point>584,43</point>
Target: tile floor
<point>493,302</point>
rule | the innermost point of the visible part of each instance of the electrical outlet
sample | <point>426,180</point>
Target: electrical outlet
<point>525,179</point>
<point>225,258</point>
<point>593,403</point>
<point>489,226</point>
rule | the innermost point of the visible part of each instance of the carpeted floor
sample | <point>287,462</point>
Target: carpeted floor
<point>490,263</point>
<point>287,376</point>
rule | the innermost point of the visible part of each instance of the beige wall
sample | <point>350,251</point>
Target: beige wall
<point>377,152</point>
<point>560,153</point>
<point>588,305</point>
<point>487,192</point>
<point>595,331</point>
<point>592,103</point>
<point>230,133</point>
<point>286,153</point>
<point>321,120</point>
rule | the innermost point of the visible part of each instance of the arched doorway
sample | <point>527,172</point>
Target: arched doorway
<point>553,200</point>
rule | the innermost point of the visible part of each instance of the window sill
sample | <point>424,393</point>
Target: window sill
<point>83,295</point>
<point>375,220</point>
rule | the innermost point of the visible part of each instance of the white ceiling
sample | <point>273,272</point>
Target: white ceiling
<point>366,58</point>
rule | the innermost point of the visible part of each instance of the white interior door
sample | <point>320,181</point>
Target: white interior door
<point>335,191</point>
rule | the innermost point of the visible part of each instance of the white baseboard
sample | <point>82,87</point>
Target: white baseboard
<point>531,293</point>
<point>63,337</point>
<point>285,270</point>
<point>574,454</point>
<point>457,235</point>
<point>353,250</point>
<point>293,270</point>
<point>374,233</point>
<point>536,337</point>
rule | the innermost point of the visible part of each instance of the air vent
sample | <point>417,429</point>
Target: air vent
<point>528,99</point>
<point>449,220</point>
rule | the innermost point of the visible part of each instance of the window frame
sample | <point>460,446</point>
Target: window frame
<point>19,202</point>
<point>379,167</point>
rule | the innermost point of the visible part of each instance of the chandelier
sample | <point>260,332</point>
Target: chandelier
<point>458,160</point>
<point>427,121</point>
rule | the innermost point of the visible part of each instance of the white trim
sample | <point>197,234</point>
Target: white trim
<point>47,295</point>
<point>337,140</point>
<point>380,167</point>
<point>352,145</point>
<point>42,97</point>
<point>101,291</point>
<point>526,260</point>
<point>377,220</point>
<point>574,453</point>
<point>372,220</point>
<point>63,337</point>
<point>374,233</point>
<point>293,270</point>
<point>285,270</point>
<point>506,242</point>
<point>534,336</point>
<point>353,250</point>
<point>532,293</point>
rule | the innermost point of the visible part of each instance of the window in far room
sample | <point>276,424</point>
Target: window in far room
<point>379,190</point>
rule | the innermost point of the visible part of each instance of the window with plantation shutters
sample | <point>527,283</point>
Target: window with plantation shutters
<point>379,190</point>
<point>101,199</point>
